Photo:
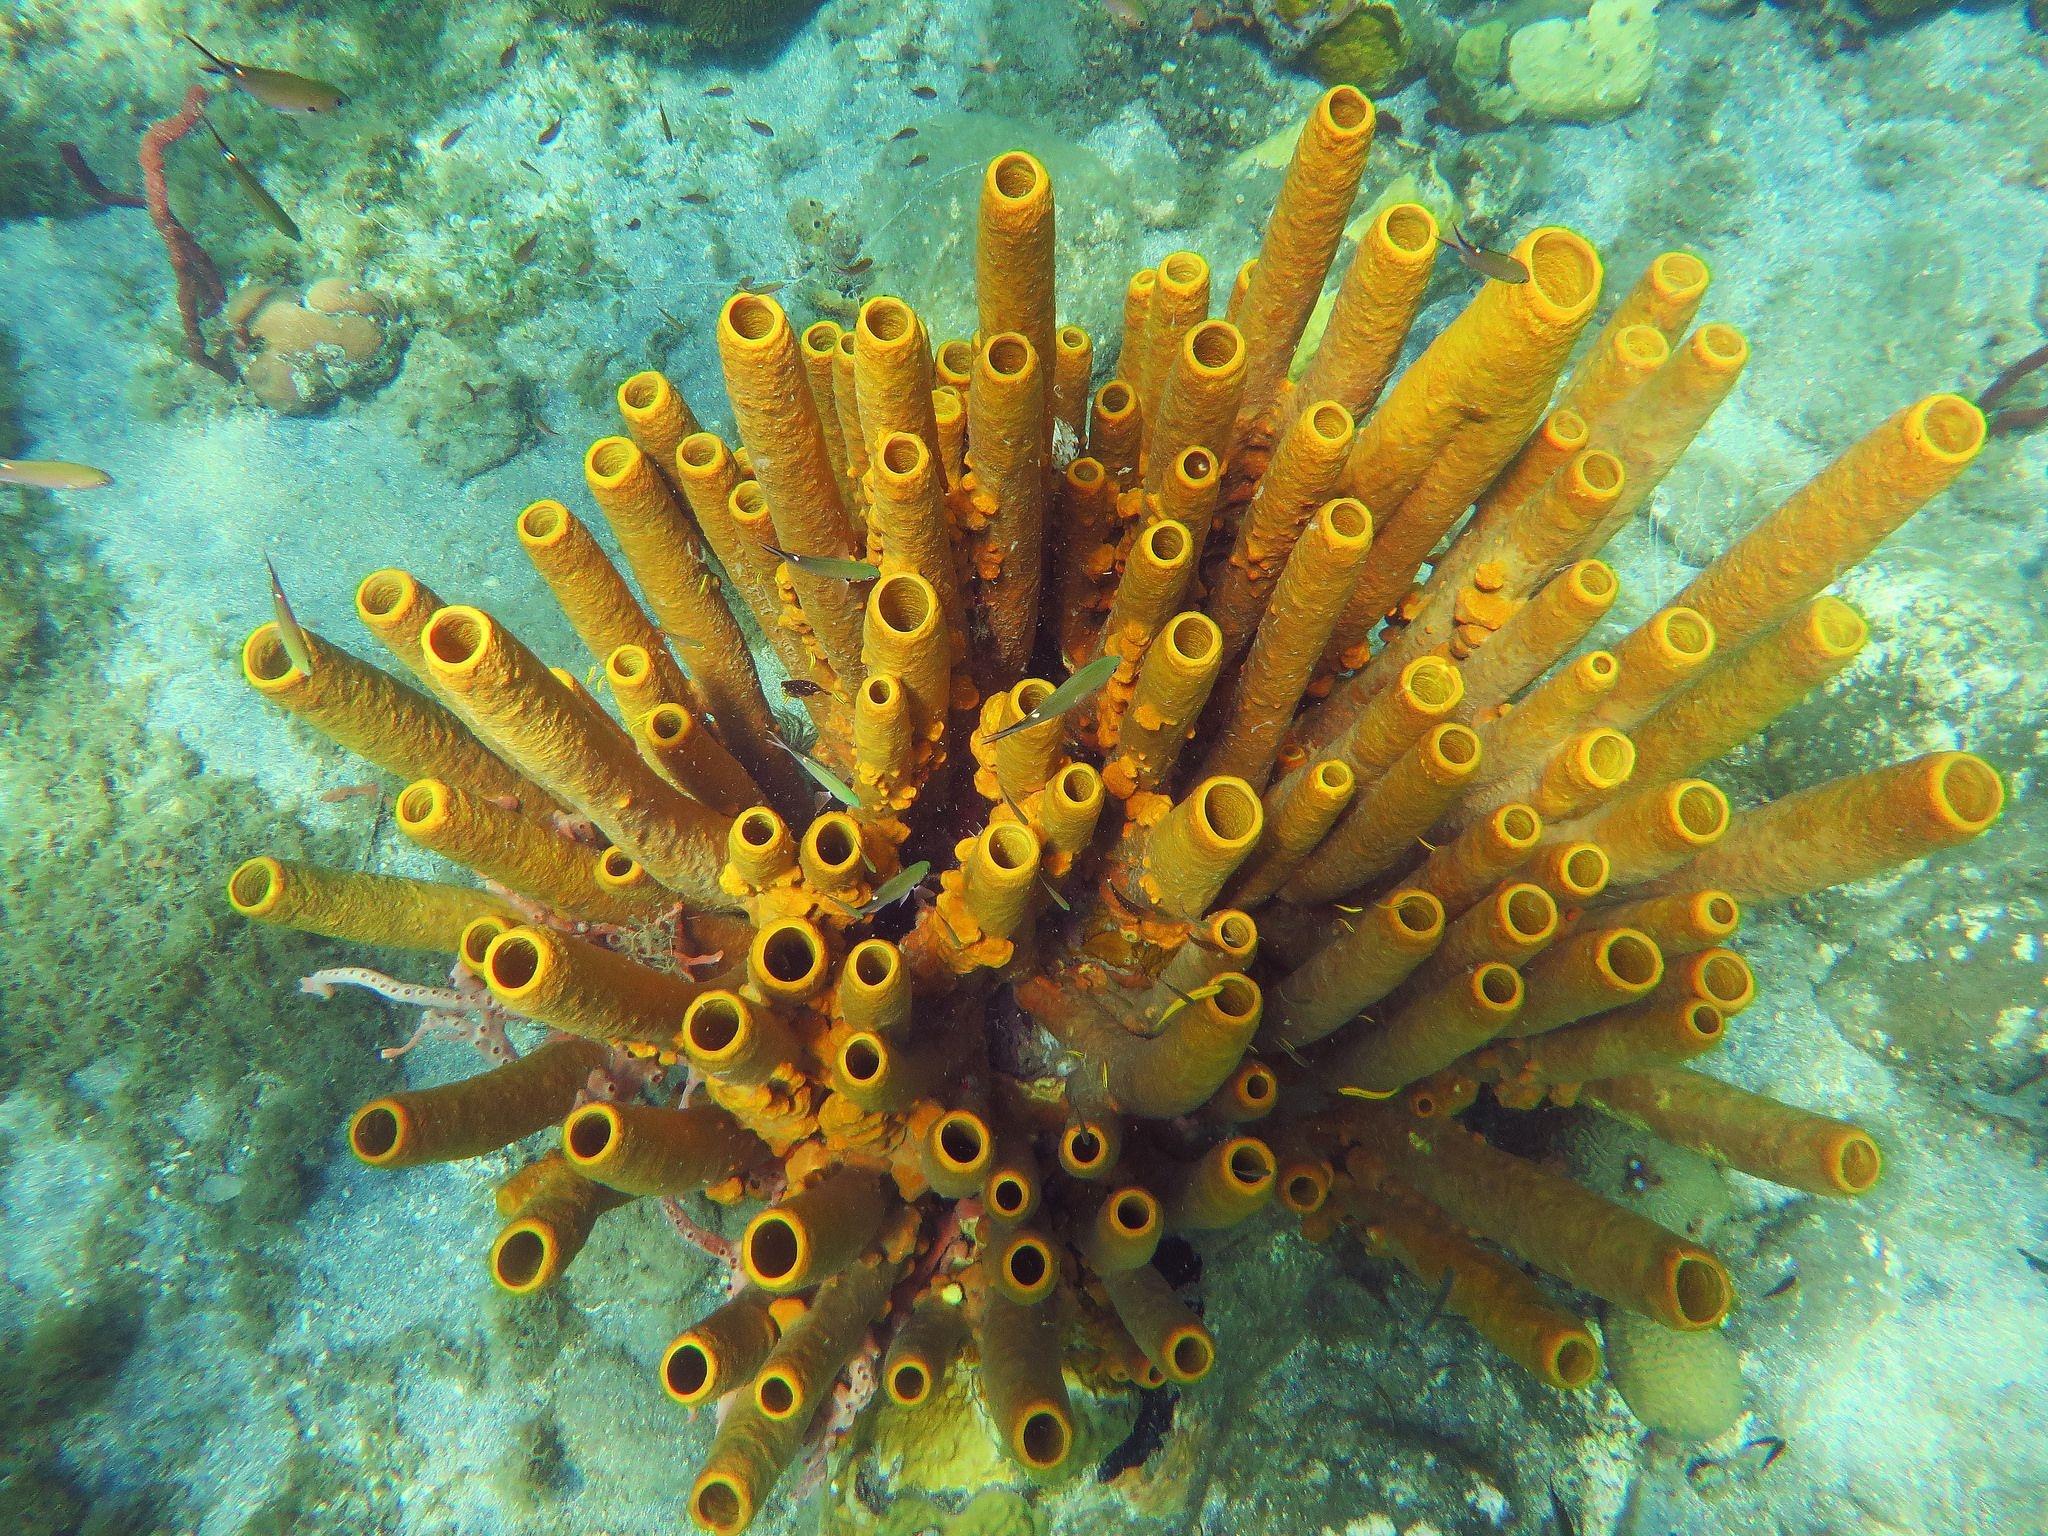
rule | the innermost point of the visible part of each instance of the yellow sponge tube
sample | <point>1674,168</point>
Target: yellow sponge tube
<point>368,909</point>
<point>475,1115</point>
<point>586,990</point>
<point>1375,306</point>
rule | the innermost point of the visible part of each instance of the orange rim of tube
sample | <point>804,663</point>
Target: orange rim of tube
<point>1236,1000</point>
<point>667,726</point>
<point>871,968</point>
<point>1715,914</point>
<point>1603,758</point>
<point>1344,522</point>
<point>544,524</point>
<point>1593,584</point>
<point>905,604</point>
<point>818,341</point>
<point>721,1504</point>
<point>1234,934</point>
<point>265,662</point>
<point>1683,635</point>
<point>1085,474</point>
<point>1564,430</point>
<point>1025,695</point>
<point>1597,474</point>
<point>1196,469</point>
<point>591,1136</point>
<point>619,871</point>
<point>1454,749</point>
<point>518,964</point>
<point>1011,1193</point>
<point>1496,988</point>
<point>381,594</point>
<point>379,1131</point>
<point>1085,1150</point>
<point>609,461</point>
<point>1008,853</point>
<point>628,666</point>
<point>1027,1269</point>
<point>718,1027</point>
<point>1679,276</point>
<point>1166,544</point>
<point>1702,1022</point>
<point>1017,179</point>
<point>1967,792</point>
<point>1303,1187</point>
<point>959,1143</point>
<point>863,1059</point>
<point>1115,403</point>
<point>257,886</point>
<point>1007,356</point>
<point>1431,685</point>
<point>1418,914</point>
<point>525,1257</point>
<point>788,959</point>
<point>1721,977</point>
<point>1583,870</point>
<point>1189,1353</point>
<point>422,807</point>
<point>775,1251</point>
<point>1213,348</point>
<point>753,321</point>
<point>1697,1289</point>
<point>908,1383</point>
<point>1526,913</point>
<point>1946,428</point>
<point>689,1369</point>
<point>1852,1161</point>
<point>1194,638</point>
<point>1345,111</point>
<point>831,846</point>
<point>902,459</point>
<point>643,392</point>
<point>1698,812</point>
<point>1628,961</point>
<point>1516,827</point>
<point>1641,346</point>
<point>1042,1436</point>
<point>456,638</point>
<point>759,829</point>
<point>1569,1360</point>
<point>1564,274</point>
<point>474,943</point>
<point>1253,1089</point>
<point>1246,1164</point>
<point>1134,1213</point>
<point>700,451</point>
<point>954,362</point>
<point>1078,786</point>
<point>1228,813</point>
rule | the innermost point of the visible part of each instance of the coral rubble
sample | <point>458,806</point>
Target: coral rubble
<point>1002,982</point>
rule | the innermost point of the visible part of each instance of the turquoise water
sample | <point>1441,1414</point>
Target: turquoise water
<point>217,1320</point>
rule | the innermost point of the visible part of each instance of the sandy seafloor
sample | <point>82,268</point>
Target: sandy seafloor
<point>1873,227</point>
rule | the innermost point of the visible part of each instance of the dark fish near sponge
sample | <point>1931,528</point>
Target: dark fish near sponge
<point>1498,265</point>
<point>277,89</point>
<point>267,205</point>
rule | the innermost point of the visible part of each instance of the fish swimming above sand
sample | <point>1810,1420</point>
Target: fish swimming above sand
<point>52,475</point>
<point>269,206</point>
<point>278,89</point>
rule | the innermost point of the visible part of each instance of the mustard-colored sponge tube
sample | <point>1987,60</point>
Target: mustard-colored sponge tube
<point>907,513</point>
<point>1231,1182</point>
<point>1155,577</point>
<point>892,375</point>
<point>1424,693</point>
<point>656,414</point>
<point>1014,272</point>
<point>513,850</point>
<point>1171,1336</point>
<point>1463,870</point>
<point>579,987</point>
<point>719,1353</point>
<point>1021,1385</point>
<point>1512,924</point>
<point>1173,1072</point>
<point>1388,816</point>
<point>395,605</point>
<point>1305,605</point>
<point>958,1150</point>
<point>1192,851</point>
<point>777,420</point>
<point>1199,397</point>
<point>1657,658</point>
<point>1588,973</point>
<point>552,1209</point>
<point>1677,925</point>
<point>1553,444</point>
<point>1543,629</point>
<point>1842,514</point>
<point>903,635</point>
<point>377,717</point>
<point>1551,1222</point>
<point>1300,811</point>
<point>1370,955</point>
<point>1125,1231</point>
<point>1732,702</point>
<point>1010,465</point>
<point>1518,739</point>
<point>643,1149</point>
<point>818,344</point>
<point>708,477</point>
<point>1486,1290</point>
<point>1375,306</point>
<point>1116,430</point>
<point>1618,363</point>
<point>921,1351</point>
<point>1301,238</point>
<point>1647,832</point>
<point>813,1233</point>
<point>1174,682</point>
<point>534,720</point>
<point>1762,1137</point>
<point>1431,1030</point>
<point>1661,1032</point>
<point>1847,829</point>
<point>367,909</point>
<point>477,1114</point>
<point>1179,302</point>
<point>1580,773</point>
<point>1073,368</point>
<point>684,751</point>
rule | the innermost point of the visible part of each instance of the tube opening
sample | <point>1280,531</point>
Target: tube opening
<point>1334,778</point>
<point>903,602</point>
<point>1183,269</point>
<point>590,1132</point>
<point>375,1131</point>
<point>956,357</point>
<point>962,1141</point>
<point>1565,429</point>
<point>455,635</point>
<point>1007,356</point>
<point>521,1258</point>
<point>1969,791</point>
<point>1167,542</point>
<point>1642,345</point>
<point>1720,911</point>
<point>1072,339</point>
<point>775,1394</point>
<point>544,522</point>
<point>1723,979</point>
<point>667,724</point>
<point>1042,1438</point>
<point>1703,1021</point>
<point>759,827</point>
<point>1563,268</point>
<point>255,885</point>
<point>700,450</point>
<point>1195,466</point>
<point>1595,580</point>
<point>1194,637</point>
<point>1331,423</point>
<point>835,843</point>
<point>875,963</point>
<point>1409,227</point>
<point>1077,785</point>
<point>1839,629</point>
<point>1633,960</point>
<point>1347,107</point>
<point>1857,1163</point>
<point>1599,471</point>
<point>1134,1213</point>
<point>1229,811</point>
<point>475,943</point>
<point>1432,684</point>
<point>1027,695</point>
<point>1011,847</point>
<point>1721,345</point>
<point>1518,825</point>
<point>774,1247</point>
<point>1192,1355</point>
<point>1573,1361</point>
<point>751,316</point>
<point>1258,1085</point>
<point>1215,345</point>
<point>1114,399</point>
<point>1602,668</point>
<point>628,664</point>
<point>1249,1165</point>
<point>1084,1148</point>
<point>1233,932</point>
<point>383,593</point>
<point>719,1506</point>
<point>792,954</point>
<point>513,961</point>
<point>1528,913</point>
<point>1584,870</point>
<point>1304,1192</point>
<point>1085,473</point>
<point>1700,1288</point>
<point>821,338</point>
<point>1027,1263</point>
<point>641,391</point>
<point>1347,519</point>
<point>747,504</point>
<point>611,457</point>
<point>909,1384</point>
<point>887,320</point>
<point>860,1059</point>
<point>421,803</point>
<point>1016,176</point>
<point>687,1371</point>
<point>1686,633</point>
<point>1418,913</point>
<point>714,1023</point>
<point>1236,998</point>
<point>1457,746</point>
<point>1679,273</point>
<point>1608,757</point>
<point>1701,811</point>
<point>618,866</point>
<point>903,454</point>
<point>1008,1195</point>
<point>1500,985</point>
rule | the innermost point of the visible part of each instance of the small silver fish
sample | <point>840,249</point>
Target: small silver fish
<point>896,887</point>
<point>1498,265</point>
<point>289,634</point>
<point>267,205</point>
<point>53,475</point>
<point>278,89</point>
<point>834,786</point>
<point>1063,698</point>
<point>827,566</point>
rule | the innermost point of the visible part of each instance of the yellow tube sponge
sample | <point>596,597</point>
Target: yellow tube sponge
<point>1231,1182</point>
<point>1657,658</point>
<point>1116,430</point>
<point>1388,816</point>
<point>1648,832</point>
<point>1014,274</point>
<point>656,414</point>
<point>1021,1383</point>
<point>892,376</point>
<point>643,1149</point>
<point>1587,974</point>
<point>368,909</point>
<point>813,1233</point>
<point>1299,812</point>
<point>1008,480</point>
<point>586,990</point>
<point>513,850</point>
<point>1179,302</point>
<point>1199,397</point>
<point>1846,829</point>
<point>907,514</point>
<point>1375,306</point>
<point>551,1209</point>
<point>1191,852</point>
<point>719,1353</point>
<point>1369,956</point>
<point>478,1114</point>
<point>1173,686</point>
<point>1432,1029</point>
<point>1171,1336</point>
<point>1463,870</point>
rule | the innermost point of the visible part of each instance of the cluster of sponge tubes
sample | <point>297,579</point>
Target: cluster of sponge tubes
<point>1476,859</point>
